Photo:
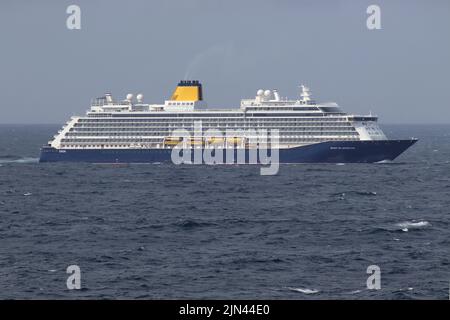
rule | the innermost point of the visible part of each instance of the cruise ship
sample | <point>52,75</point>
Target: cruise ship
<point>305,131</point>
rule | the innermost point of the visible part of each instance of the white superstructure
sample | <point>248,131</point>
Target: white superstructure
<point>131,123</point>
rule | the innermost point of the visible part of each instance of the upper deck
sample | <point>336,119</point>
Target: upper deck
<point>265,103</point>
<point>132,122</point>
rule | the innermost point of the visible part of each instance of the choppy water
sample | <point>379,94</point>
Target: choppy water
<point>166,231</point>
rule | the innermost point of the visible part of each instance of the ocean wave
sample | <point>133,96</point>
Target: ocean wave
<point>11,159</point>
<point>403,293</point>
<point>303,290</point>
<point>400,226</point>
<point>342,195</point>
<point>384,161</point>
<point>366,193</point>
<point>190,224</point>
<point>9,156</point>
<point>407,225</point>
<point>355,291</point>
<point>390,163</point>
<point>250,260</point>
<point>316,169</point>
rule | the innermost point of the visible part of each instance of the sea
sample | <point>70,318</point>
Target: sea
<point>166,231</point>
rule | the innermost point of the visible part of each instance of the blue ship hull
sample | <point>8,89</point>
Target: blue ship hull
<point>323,152</point>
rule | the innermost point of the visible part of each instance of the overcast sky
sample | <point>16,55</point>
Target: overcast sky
<point>401,72</point>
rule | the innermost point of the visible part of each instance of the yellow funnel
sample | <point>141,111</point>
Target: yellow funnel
<point>188,90</point>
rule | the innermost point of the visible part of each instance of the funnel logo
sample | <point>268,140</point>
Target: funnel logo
<point>213,146</point>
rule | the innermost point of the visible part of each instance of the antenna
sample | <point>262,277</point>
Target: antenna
<point>305,93</point>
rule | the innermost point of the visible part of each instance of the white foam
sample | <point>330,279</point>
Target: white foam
<point>355,291</point>
<point>21,160</point>
<point>305,291</point>
<point>405,226</point>
<point>384,161</point>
